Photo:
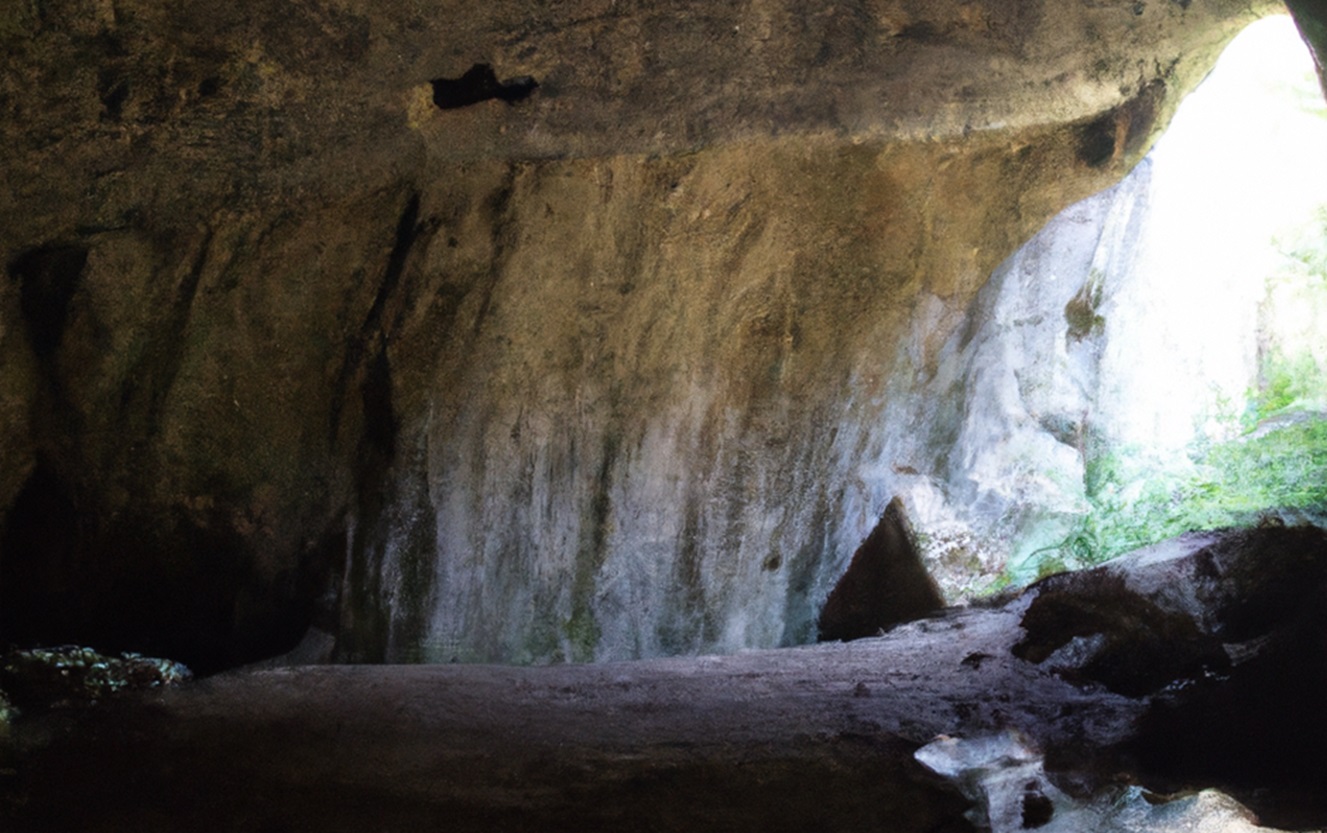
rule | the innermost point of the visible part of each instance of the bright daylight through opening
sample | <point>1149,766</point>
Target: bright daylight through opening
<point>1153,361</point>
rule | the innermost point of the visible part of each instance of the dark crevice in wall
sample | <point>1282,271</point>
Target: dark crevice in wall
<point>39,545</point>
<point>1096,141</point>
<point>155,373</point>
<point>113,90</point>
<point>1138,117</point>
<point>388,573</point>
<point>582,629</point>
<point>499,208</point>
<point>384,520</point>
<point>364,636</point>
<point>48,277</point>
<point>371,340</point>
<point>480,83</point>
<point>682,629</point>
<point>1122,132</point>
<point>924,32</point>
<point>799,619</point>
<point>379,415</point>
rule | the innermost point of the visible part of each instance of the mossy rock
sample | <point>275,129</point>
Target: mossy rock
<point>69,675</point>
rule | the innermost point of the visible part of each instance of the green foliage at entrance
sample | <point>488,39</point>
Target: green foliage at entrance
<point>1276,469</point>
<point>1272,472</point>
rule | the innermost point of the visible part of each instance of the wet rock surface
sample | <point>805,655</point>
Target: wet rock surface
<point>827,736</point>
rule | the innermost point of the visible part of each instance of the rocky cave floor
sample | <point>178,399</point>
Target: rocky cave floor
<point>1179,688</point>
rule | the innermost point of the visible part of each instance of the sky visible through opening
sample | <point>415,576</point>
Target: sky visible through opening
<point>1239,182</point>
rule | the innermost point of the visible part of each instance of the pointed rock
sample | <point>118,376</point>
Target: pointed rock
<point>886,583</point>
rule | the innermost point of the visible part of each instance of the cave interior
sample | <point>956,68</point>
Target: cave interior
<point>867,415</point>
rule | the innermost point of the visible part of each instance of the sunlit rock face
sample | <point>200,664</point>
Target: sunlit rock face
<point>620,369</point>
<point>1155,359</point>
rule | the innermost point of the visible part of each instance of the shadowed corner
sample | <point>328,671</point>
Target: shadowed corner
<point>886,583</point>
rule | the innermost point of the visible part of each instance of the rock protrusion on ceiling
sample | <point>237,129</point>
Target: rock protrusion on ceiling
<point>1124,130</point>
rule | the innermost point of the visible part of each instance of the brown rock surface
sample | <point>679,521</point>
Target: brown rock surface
<point>583,376</point>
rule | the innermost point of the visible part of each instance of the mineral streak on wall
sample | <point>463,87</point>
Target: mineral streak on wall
<point>603,369</point>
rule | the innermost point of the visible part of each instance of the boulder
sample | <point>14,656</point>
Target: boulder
<point>886,583</point>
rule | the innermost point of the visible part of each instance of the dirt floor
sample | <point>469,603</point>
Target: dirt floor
<point>1060,708</point>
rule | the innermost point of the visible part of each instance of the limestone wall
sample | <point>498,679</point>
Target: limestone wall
<point>592,375</point>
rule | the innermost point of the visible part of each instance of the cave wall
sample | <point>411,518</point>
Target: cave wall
<point>592,375</point>
<point>1312,23</point>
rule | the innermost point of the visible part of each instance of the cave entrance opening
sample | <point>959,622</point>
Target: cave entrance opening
<point>1166,370</point>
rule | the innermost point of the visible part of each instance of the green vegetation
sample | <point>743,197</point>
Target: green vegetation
<point>1275,470</point>
<point>1081,311</point>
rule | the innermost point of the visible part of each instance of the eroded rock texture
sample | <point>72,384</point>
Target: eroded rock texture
<point>589,374</point>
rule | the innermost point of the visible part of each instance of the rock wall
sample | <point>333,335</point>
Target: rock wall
<point>592,375</point>
<point>1002,473</point>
